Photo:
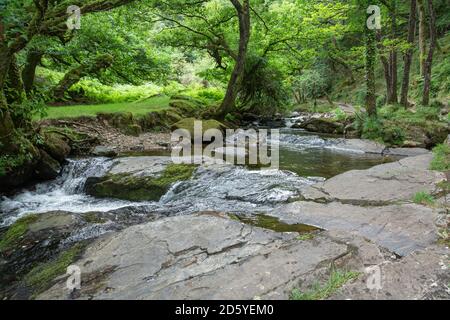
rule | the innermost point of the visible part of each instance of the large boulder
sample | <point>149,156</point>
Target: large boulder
<point>148,185</point>
<point>322,125</point>
<point>56,146</point>
<point>188,125</point>
<point>203,256</point>
<point>47,168</point>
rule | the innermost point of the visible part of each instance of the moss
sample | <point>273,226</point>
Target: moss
<point>441,160</point>
<point>273,223</point>
<point>41,277</point>
<point>320,292</point>
<point>15,232</point>
<point>135,188</point>
<point>94,218</point>
<point>188,124</point>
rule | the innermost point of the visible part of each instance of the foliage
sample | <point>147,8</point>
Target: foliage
<point>320,292</point>
<point>262,90</point>
<point>423,198</point>
<point>311,85</point>
<point>41,276</point>
<point>441,160</point>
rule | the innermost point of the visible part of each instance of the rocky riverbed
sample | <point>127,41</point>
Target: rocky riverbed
<point>227,232</point>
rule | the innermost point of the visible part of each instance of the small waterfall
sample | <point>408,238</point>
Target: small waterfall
<point>63,193</point>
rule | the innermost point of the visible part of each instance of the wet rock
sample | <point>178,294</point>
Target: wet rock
<point>56,146</point>
<point>406,152</point>
<point>104,151</point>
<point>47,168</point>
<point>198,257</point>
<point>390,182</point>
<point>357,146</point>
<point>146,185</point>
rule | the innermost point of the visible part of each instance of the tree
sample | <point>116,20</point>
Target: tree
<point>243,12</point>
<point>409,53</point>
<point>370,57</point>
<point>429,60</point>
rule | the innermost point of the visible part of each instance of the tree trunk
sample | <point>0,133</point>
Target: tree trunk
<point>73,76</point>
<point>429,60</point>
<point>371,105</point>
<point>409,54</point>
<point>422,36</point>
<point>34,57</point>
<point>229,100</point>
<point>393,98</point>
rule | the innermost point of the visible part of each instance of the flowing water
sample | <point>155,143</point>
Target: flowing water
<point>305,159</point>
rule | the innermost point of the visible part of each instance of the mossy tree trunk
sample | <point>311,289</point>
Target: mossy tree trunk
<point>228,103</point>
<point>72,77</point>
<point>34,58</point>
<point>409,54</point>
<point>429,60</point>
<point>393,98</point>
<point>370,57</point>
<point>422,35</point>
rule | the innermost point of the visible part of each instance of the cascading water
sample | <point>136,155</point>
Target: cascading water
<point>64,193</point>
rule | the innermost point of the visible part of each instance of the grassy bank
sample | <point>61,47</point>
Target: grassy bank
<point>136,108</point>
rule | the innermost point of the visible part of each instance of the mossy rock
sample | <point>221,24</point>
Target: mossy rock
<point>16,232</point>
<point>55,145</point>
<point>43,275</point>
<point>188,124</point>
<point>132,130</point>
<point>187,106</point>
<point>322,125</point>
<point>131,187</point>
<point>47,168</point>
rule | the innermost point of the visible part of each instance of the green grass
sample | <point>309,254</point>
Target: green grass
<point>41,276</point>
<point>136,108</point>
<point>441,160</point>
<point>423,198</point>
<point>320,292</point>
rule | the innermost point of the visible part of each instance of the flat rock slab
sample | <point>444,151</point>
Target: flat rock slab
<point>399,228</point>
<point>406,152</point>
<point>205,256</point>
<point>143,165</point>
<point>397,181</point>
<point>358,146</point>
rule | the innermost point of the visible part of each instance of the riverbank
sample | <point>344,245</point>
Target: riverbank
<point>189,245</point>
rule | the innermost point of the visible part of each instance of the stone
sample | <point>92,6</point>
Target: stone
<point>56,146</point>
<point>423,275</point>
<point>402,229</point>
<point>321,125</point>
<point>104,151</point>
<point>204,256</point>
<point>396,181</point>
<point>358,146</point>
<point>147,185</point>
<point>47,167</point>
<point>188,124</point>
<point>406,152</point>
